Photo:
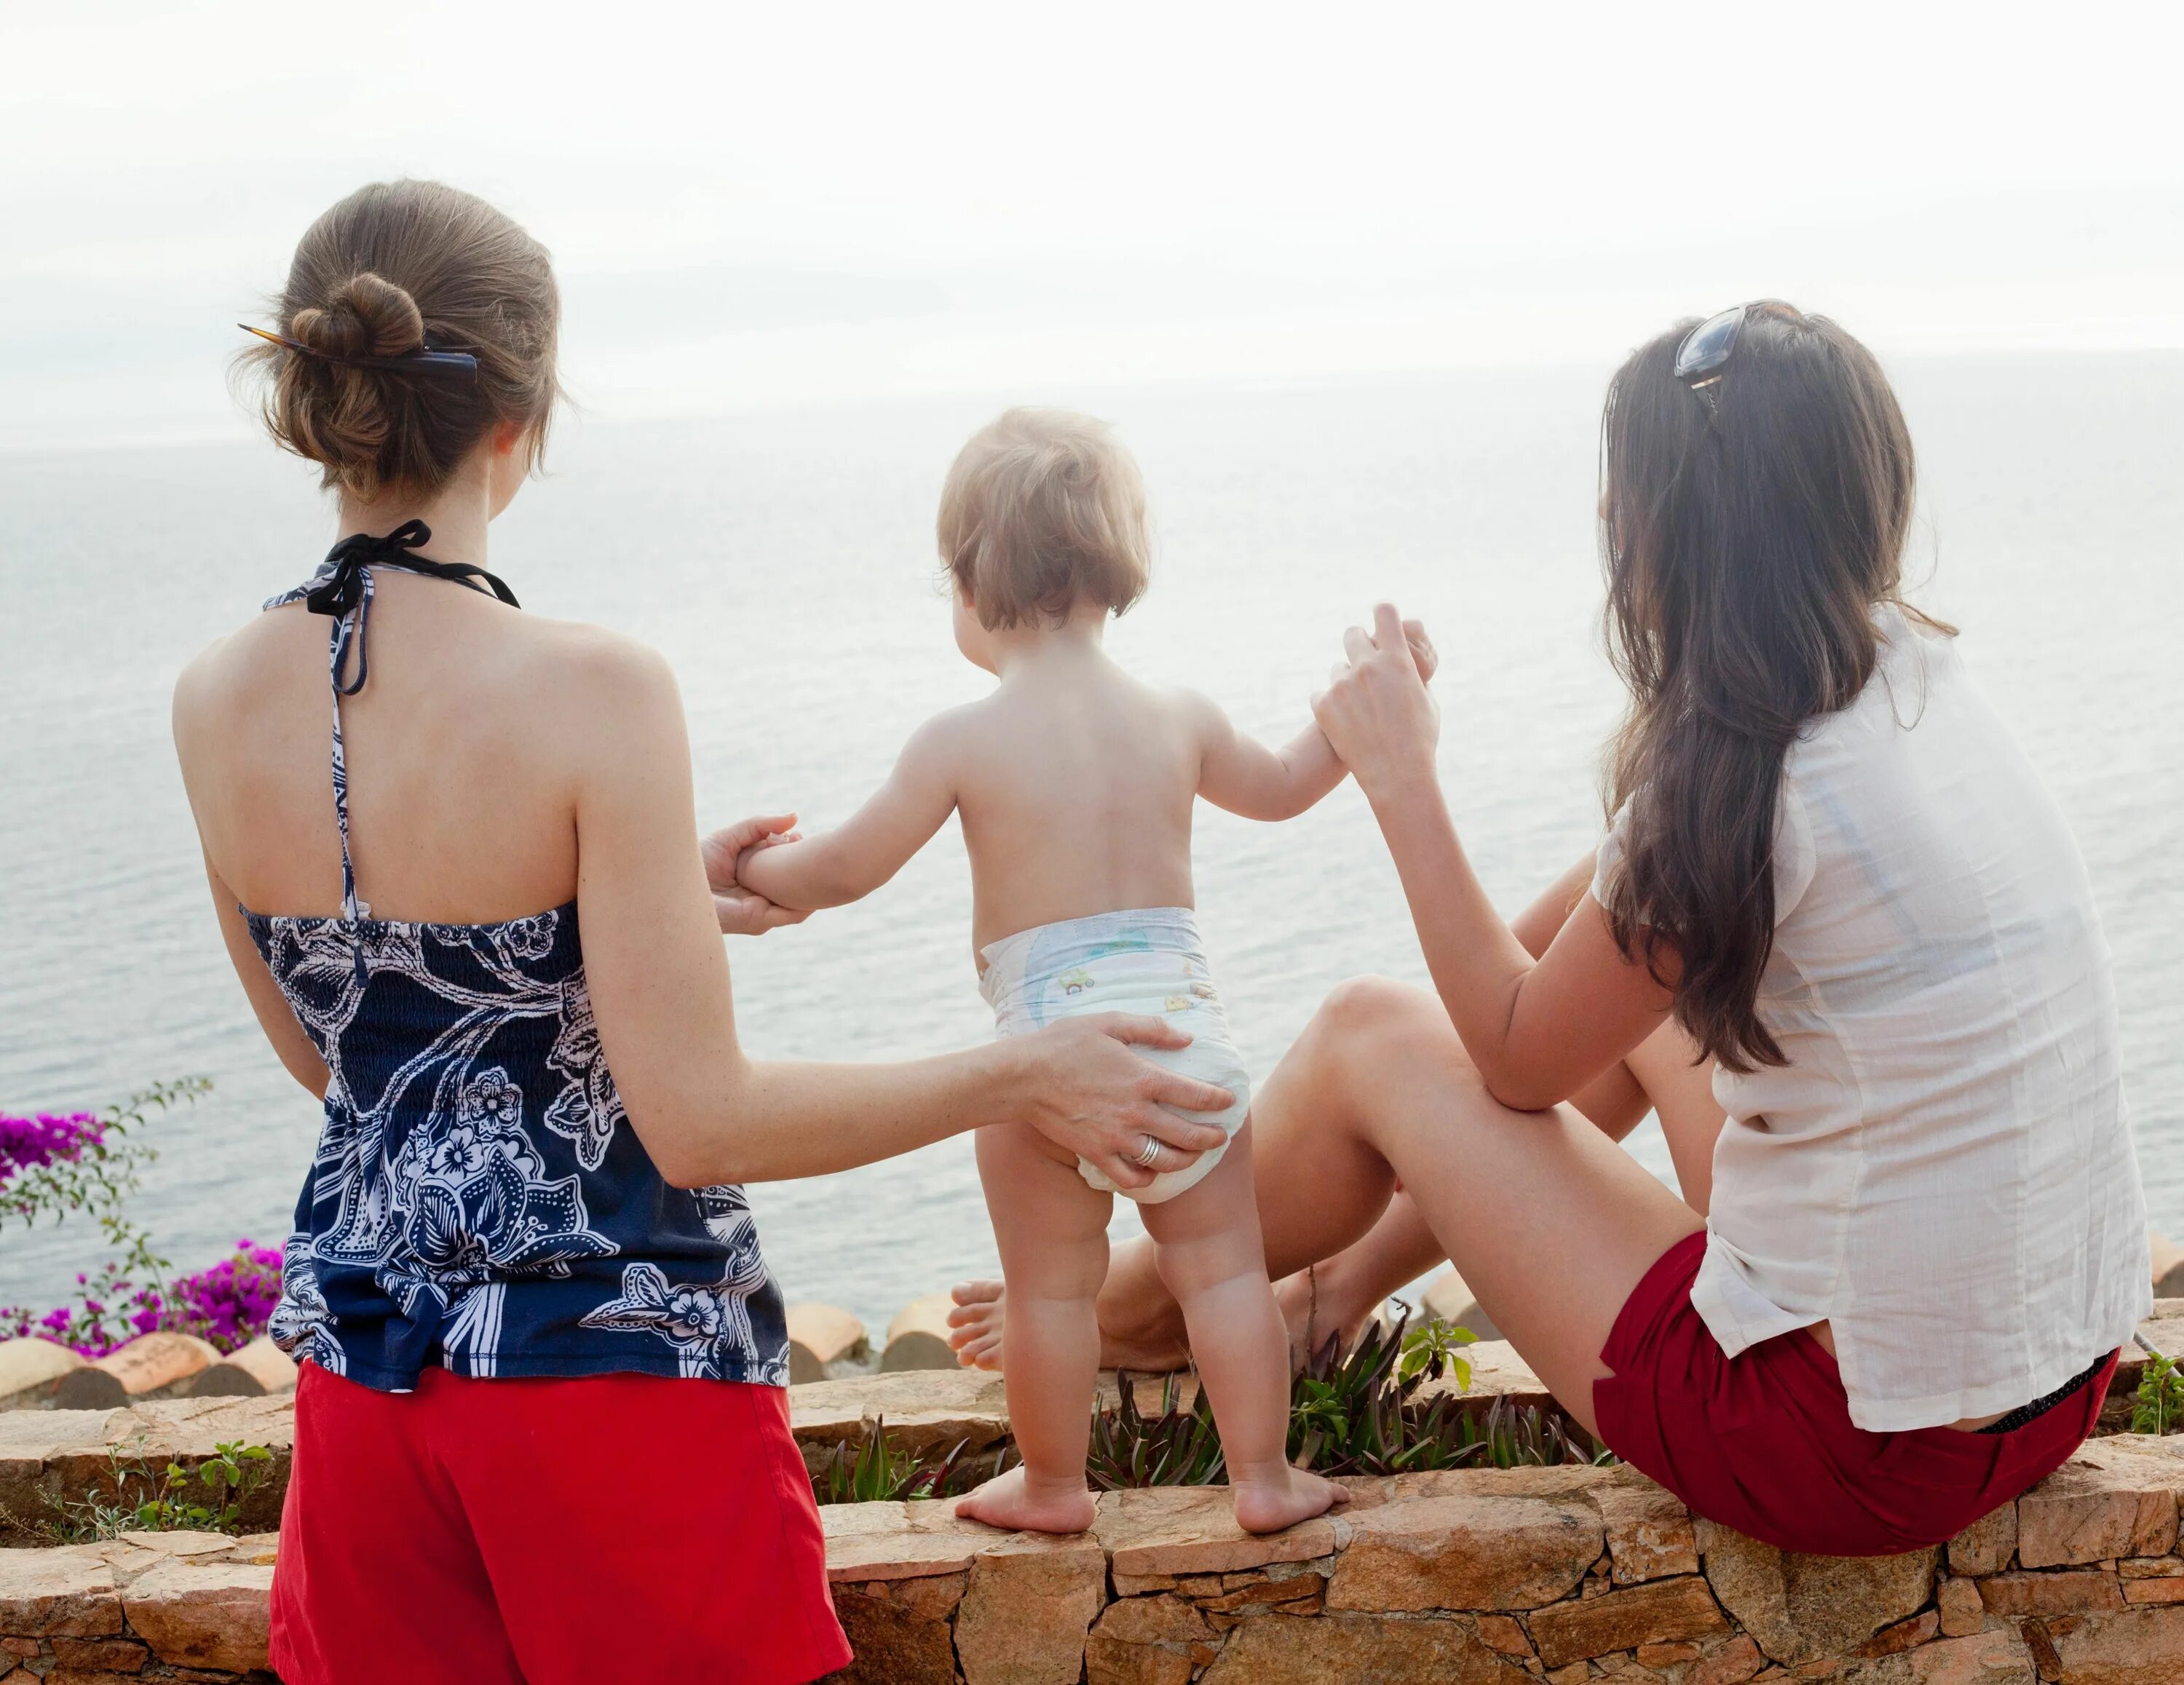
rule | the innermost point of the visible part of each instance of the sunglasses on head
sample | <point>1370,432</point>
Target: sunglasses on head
<point>1706,348</point>
<point>1705,352</point>
<point>421,357</point>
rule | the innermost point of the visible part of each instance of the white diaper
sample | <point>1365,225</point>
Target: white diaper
<point>1148,961</point>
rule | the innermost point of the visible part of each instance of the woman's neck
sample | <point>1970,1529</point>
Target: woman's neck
<point>457,515</point>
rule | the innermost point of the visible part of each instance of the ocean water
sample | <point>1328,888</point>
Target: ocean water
<point>784,563</point>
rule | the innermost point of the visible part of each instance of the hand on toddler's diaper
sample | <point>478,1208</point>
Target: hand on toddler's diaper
<point>742,910</point>
<point>1089,1094</point>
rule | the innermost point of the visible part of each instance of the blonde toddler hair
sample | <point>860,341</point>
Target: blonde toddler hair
<point>1043,510</point>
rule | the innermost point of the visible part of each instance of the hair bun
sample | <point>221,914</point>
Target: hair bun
<point>367,277</point>
<point>367,315</point>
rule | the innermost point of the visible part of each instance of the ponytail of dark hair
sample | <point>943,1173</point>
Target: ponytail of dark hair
<point>1746,542</point>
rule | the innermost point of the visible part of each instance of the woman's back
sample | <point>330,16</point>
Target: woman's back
<point>478,1199</point>
<point>1943,1168</point>
<point>461,749</point>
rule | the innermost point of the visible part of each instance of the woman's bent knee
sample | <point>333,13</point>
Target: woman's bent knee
<point>1381,1023</point>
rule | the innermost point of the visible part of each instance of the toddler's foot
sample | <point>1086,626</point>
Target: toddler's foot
<point>1268,1506</point>
<point>1013,1501</point>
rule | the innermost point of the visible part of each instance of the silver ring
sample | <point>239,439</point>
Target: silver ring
<point>1147,1153</point>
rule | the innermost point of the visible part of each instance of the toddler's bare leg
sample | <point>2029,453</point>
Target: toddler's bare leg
<point>1208,1248</point>
<point>1052,1229</point>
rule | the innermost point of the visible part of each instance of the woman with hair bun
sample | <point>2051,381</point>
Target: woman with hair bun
<point>542,1358</point>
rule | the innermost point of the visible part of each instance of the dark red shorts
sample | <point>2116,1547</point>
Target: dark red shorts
<point>1763,1442</point>
<point>615,1527</point>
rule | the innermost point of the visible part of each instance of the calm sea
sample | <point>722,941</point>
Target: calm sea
<point>783,563</point>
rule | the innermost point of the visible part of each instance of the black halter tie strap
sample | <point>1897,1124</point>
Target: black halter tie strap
<point>345,587</point>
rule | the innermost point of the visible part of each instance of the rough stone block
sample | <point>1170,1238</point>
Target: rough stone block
<point>1360,1650</point>
<point>924,1411</point>
<point>1109,1663</point>
<point>1505,1633</point>
<point>1030,1601</point>
<point>1998,1658</point>
<point>114,1655</point>
<point>895,1642</point>
<point>1987,1544</point>
<point>1466,1552</point>
<point>1799,1608</point>
<point>870,1542</point>
<point>1496,1372</point>
<point>821,1334</point>
<point>1658,1611</point>
<point>2169,1590</point>
<point>1446,1299</point>
<point>917,1338</point>
<point>1147,1641</point>
<point>1181,1530</point>
<point>1649,1533</point>
<point>2131,1647</point>
<point>1963,1612</point>
<point>1298,1589</point>
<point>31,1369</point>
<point>2105,1502</point>
<point>2057,1591</point>
<point>202,1614</point>
<point>67,1593</point>
<point>1904,1635</point>
<point>1153,1621</point>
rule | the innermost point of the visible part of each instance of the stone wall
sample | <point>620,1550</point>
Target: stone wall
<point>1503,1577</point>
<point>1485,1577</point>
<point>1477,1577</point>
<point>148,1606</point>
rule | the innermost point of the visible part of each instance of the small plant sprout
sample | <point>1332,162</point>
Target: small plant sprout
<point>2159,1406</point>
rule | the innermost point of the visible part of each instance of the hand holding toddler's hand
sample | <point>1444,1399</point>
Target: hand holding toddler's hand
<point>1376,710</point>
<point>741,911</point>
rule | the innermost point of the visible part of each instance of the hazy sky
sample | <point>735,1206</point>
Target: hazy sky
<point>787,204</point>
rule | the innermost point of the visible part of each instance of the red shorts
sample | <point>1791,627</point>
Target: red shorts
<point>529,1532</point>
<point>1763,1442</point>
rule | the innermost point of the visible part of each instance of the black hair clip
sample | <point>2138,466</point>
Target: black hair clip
<point>421,357</point>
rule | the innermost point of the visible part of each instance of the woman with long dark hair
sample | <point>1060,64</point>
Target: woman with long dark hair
<point>1838,936</point>
<point>543,1393</point>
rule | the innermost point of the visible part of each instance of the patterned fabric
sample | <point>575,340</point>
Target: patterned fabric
<point>478,1197</point>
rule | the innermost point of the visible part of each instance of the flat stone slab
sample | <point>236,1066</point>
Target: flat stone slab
<point>1176,1530</point>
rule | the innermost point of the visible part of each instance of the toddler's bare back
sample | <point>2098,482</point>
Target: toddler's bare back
<point>1075,782</point>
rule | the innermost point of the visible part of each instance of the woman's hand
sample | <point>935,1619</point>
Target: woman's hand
<point>1376,710</point>
<point>1090,1095</point>
<point>741,911</point>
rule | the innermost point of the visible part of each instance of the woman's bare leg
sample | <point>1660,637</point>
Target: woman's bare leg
<point>1550,1222</point>
<point>1139,1326</point>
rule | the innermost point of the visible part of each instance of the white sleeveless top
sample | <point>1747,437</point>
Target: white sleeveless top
<point>1944,1172</point>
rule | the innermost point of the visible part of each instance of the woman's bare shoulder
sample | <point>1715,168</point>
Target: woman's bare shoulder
<point>235,671</point>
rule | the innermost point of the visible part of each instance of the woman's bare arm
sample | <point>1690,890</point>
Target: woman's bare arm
<point>1539,1031</point>
<point>297,1053</point>
<point>659,992</point>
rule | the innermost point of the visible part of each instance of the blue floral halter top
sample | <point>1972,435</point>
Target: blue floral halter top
<point>478,1198</point>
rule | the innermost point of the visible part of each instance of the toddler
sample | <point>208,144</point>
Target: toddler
<point>1076,782</point>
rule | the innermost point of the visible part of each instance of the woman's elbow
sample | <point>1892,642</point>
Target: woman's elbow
<point>1523,1090</point>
